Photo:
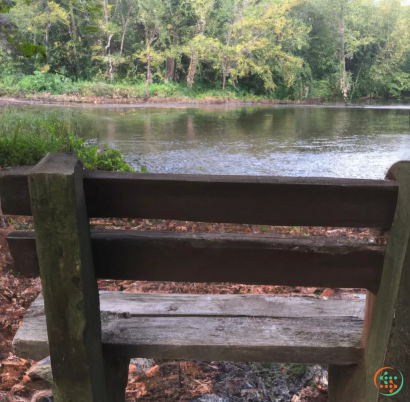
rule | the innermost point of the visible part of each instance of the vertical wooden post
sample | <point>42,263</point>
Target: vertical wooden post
<point>116,374</point>
<point>389,338</point>
<point>370,302</point>
<point>347,383</point>
<point>67,277</point>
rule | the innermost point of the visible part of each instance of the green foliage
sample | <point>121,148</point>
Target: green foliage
<point>28,137</point>
<point>91,29</point>
<point>107,159</point>
<point>45,82</point>
<point>7,64</point>
<point>295,369</point>
<point>3,8</point>
<point>288,49</point>
<point>30,50</point>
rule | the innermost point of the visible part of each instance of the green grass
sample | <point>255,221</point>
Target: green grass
<point>26,137</point>
<point>42,83</point>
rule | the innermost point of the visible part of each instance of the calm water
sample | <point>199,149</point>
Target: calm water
<point>290,141</point>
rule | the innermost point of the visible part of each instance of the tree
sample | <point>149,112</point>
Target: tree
<point>256,38</point>
<point>53,14</point>
<point>150,14</point>
<point>201,11</point>
<point>334,49</point>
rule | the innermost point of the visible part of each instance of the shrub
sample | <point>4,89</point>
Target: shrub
<point>107,159</point>
<point>45,82</point>
<point>26,137</point>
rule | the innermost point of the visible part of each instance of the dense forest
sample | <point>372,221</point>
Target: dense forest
<point>282,49</point>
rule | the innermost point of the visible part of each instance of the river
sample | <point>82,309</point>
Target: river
<point>354,142</point>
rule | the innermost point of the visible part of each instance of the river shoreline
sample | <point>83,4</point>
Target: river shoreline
<point>175,102</point>
<point>170,101</point>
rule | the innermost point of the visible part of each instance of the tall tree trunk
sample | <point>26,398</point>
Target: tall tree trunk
<point>74,38</point>
<point>73,25</point>
<point>108,52</point>
<point>147,81</point>
<point>224,72</point>
<point>48,25</point>
<point>170,68</point>
<point>86,15</point>
<point>343,79</point>
<point>125,30</point>
<point>192,69</point>
<point>107,48</point>
<point>105,5</point>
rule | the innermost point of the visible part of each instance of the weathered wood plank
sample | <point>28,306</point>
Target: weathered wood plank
<point>348,383</point>
<point>116,376</point>
<point>217,327</point>
<point>14,192</point>
<point>67,277</point>
<point>181,304</point>
<point>195,257</point>
<point>22,247</point>
<point>177,305</point>
<point>389,342</point>
<point>368,315</point>
<point>235,339</point>
<point>229,199</point>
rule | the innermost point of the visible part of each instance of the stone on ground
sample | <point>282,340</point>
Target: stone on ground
<point>42,371</point>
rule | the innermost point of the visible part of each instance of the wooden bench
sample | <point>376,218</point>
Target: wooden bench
<point>91,337</point>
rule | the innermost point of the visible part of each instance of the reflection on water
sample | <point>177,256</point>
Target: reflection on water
<point>289,141</point>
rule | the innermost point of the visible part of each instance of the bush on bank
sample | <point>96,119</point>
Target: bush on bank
<point>26,137</point>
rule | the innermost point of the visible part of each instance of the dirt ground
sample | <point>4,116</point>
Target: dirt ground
<point>165,380</point>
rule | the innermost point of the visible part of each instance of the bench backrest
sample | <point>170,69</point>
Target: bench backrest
<point>279,201</point>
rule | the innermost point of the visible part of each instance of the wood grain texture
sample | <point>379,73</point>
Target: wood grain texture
<point>22,248</point>
<point>14,192</point>
<point>67,277</point>
<point>216,327</point>
<point>183,305</point>
<point>116,377</point>
<point>389,342</point>
<point>347,383</point>
<point>229,199</point>
<point>250,259</point>
<point>368,315</point>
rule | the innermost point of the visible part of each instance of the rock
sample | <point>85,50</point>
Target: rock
<point>42,371</point>
<point>209,398</point>
<point>142,365</point>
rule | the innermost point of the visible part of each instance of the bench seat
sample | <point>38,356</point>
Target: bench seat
<point>216,327</point>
